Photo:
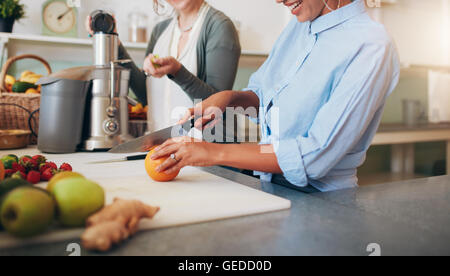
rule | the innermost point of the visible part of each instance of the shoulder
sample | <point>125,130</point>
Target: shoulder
<point>366,31</point>
<point>217,23</point>
<point>216,19</point>
<point>220,30</point>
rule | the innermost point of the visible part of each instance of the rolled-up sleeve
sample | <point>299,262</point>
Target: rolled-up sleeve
<point>344,119</point>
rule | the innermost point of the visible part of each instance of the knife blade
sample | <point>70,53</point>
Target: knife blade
<point>123,159</point>
<point>144,143</point>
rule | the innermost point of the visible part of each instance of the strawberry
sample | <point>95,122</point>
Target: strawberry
<point>18,168</point>
<point>28,163</point>
<point>65,167</point>
<point>46,165</point>
<point>34,177</point>
<point>52,165</point>
<point>39,159</point>
<point>48,174</point>
<point>19,175</point>
<point>9,173</point>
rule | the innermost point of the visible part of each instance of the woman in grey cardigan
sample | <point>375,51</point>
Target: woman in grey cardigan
<point>199,49</point>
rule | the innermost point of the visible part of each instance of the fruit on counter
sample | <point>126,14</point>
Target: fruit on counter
<point>46,165</point>
<point>19,175</point>
<point>22,87</point>
<point>34,177</point>
<point>151,165</point>
<point>77,199</point>
<point>60,176</point>
<point>21,167</point>
<point>2,171</point>
<point>28,163</point>
<point>8,160</point>
<point>30,77</point>
<point>20,215</point>
<point>17,167</point>
<point>48,174</point>
<point>115,223</point>
<point>32,91</point>
<point>10,184</point>
<point>9,81</point>
<point>65,167</point>
<point>137,112</point>
<point>39,159</point>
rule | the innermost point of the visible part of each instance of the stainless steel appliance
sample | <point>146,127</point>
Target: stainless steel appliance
<point>86,108</point>
<point>108,107</point>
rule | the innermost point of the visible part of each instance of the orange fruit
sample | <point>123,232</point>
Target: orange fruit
<point>151,165</point>
<point>2,171</point>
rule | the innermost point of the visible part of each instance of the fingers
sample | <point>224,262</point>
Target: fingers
<point>149,68</point>
<point>200,122</point>
<point>165,151</point>
<point>160,67</point>
<point>87,25</point>
<point>168,165</point>
<point>187,116</point>
<point>175,168</point>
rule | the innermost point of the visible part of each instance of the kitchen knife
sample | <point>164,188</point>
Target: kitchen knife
<point>146,142</point>
<point>128,158</point>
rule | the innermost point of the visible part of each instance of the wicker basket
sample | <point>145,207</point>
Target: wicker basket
<point>17,110</point>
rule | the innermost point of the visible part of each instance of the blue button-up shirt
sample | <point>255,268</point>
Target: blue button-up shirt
<point>322,92</point>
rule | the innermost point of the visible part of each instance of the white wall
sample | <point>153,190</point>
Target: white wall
<point>421,29</point>
<point>261,20</point>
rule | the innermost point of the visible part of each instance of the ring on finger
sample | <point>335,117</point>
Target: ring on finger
<point>174,157</point>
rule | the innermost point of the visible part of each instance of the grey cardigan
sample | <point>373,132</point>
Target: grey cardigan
<point>218,53</point>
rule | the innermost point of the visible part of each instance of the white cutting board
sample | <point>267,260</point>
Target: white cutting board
<point>195,196</point>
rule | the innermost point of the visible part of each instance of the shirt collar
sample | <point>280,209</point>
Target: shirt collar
<point>337,17</point>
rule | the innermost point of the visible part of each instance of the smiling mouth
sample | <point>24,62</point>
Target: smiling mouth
<point>294,5</point>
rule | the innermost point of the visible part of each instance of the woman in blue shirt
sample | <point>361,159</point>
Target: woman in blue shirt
<point>320,97</point>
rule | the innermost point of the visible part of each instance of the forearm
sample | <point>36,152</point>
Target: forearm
<point>244,99</point>
<point>195,88</point>
<point>138,78</point>
<point>247,156</point>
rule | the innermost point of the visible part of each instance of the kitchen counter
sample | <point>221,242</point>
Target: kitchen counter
<point>404,218</point>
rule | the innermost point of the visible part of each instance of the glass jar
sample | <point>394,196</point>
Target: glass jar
<point>137,30</point>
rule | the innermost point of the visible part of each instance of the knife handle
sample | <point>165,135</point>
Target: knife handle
<point>136,157</point>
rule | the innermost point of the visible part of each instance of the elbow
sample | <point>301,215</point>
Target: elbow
<point>317,172</point>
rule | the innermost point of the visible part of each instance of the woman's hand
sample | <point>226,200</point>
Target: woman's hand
<point>88,24</point>
<point>187,152</point>
<point>209,112</point>
<point>160,67</point>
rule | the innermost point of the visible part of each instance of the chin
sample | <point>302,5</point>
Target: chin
<point>304,17</point>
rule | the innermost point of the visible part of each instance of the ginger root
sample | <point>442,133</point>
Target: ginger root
<point>115,223</point>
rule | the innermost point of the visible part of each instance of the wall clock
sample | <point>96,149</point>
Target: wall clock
<point>59,19</point>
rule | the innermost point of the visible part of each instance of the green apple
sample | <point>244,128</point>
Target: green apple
<point>76,199</point>
<point>27,211</point>
<point>59,176</point>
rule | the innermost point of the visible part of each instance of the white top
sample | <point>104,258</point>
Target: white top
<point>166,100</point>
